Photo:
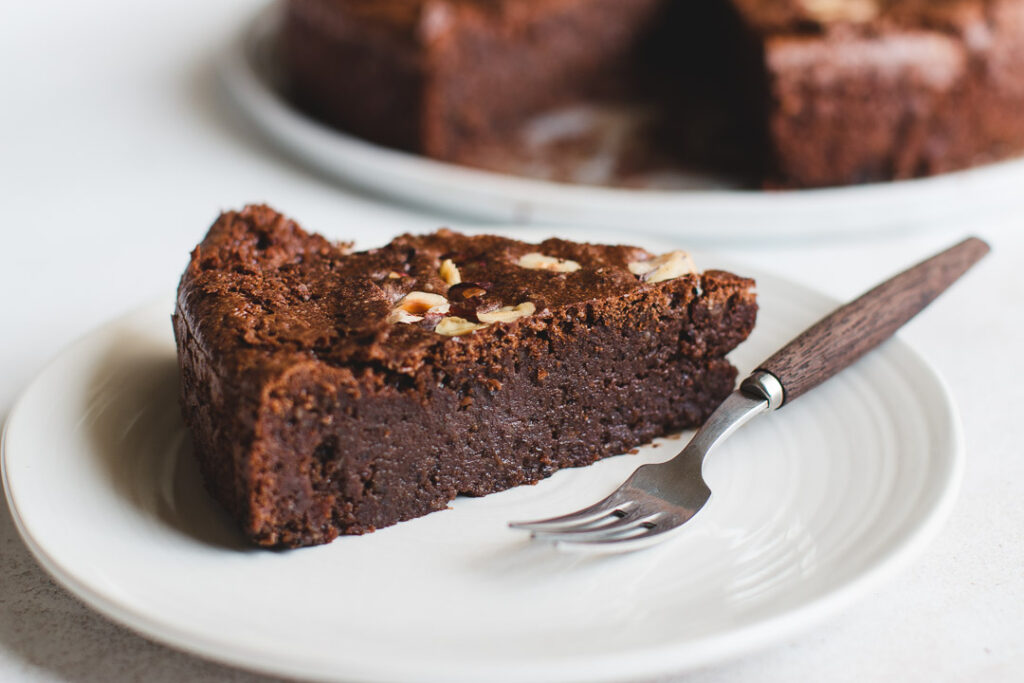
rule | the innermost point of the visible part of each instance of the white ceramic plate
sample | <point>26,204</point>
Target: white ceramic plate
<point>813,506</point>
<point>713,215</point>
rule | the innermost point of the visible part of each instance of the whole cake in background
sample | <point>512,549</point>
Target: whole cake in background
<point>334,392</point>
<point>785,93</point>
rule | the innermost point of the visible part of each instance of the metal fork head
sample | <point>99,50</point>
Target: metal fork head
<point>629,519</point>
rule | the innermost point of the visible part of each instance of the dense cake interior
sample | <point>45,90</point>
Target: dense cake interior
<point>334,392</point>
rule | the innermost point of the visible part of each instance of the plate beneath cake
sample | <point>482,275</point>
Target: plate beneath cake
<point>691,204</point>
<point>813,507</point>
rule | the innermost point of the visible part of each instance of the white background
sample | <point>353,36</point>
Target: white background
<point>117,150</point>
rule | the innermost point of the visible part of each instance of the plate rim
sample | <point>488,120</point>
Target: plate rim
<point>663,660</point>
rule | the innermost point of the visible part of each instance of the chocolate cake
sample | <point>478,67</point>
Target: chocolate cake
<point>329,392</point>
<point>791,93</point>
<point>444,78</point>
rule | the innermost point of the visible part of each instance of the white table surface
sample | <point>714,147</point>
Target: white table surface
<point>117,151</point>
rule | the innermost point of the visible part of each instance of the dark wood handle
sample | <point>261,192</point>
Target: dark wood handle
<point>837,340</point>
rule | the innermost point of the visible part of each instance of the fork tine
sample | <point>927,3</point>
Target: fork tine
<point>636,520</point>
<point>622,543</point>
<point>585,516</point>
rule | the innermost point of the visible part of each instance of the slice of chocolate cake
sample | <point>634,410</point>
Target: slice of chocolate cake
<point>332,392</point>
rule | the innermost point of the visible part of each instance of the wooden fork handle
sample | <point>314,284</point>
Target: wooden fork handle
<point>839,339</point>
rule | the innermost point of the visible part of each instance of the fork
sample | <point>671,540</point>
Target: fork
<point>658,499</point>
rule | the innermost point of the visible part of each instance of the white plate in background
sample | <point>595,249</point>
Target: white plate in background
<point>711,215</point>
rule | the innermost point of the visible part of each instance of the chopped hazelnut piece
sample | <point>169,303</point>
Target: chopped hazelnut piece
<point>830,11</point>
<point>665,267</point>
<point>453,326</point>
<point>414,306</point>
<point>467,298</point>
<point>537,261</point>
<point>464,291</point>
<point>399,316</point>
<point>450,272</point>
<point>507,314</point>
